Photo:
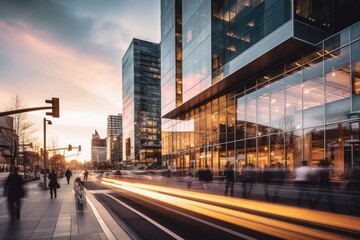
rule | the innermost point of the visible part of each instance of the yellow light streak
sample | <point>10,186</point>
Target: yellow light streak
<point>266,225</point>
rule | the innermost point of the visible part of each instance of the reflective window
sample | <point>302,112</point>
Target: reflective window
<point>338,153</point>
<point>197,68</point>
<point>355,55</point>
<point>277,105</point>
<point>263,151</point>
<point>250,98</point>
<point>313,94</point>
<point>337,85</point>
<point>230,114</point>
<point>240,117</point>
<point>263,113</point>
<point>293,103</point>
<point>294,148</point>
<point>251,151</point>
<point>277,148</point>
<point>314,145</point>
<point>240,154</point>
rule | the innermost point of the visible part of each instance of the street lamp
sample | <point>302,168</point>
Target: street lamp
<point>45,122</point>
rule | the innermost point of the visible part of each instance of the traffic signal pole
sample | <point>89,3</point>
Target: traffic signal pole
<point>54,107</point>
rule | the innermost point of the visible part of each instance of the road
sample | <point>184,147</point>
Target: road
<point>148,211</point>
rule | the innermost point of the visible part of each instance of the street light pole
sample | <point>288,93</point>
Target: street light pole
<point>49,122</point>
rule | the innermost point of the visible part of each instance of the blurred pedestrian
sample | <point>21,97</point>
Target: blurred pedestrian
<point>14,190</point>
<point>324,186</point>
<point>251,171</point>
<point>303,183</point>
<point>86,174</point>
<point>53,184</point>
<point>353,188</point>
<point>230,179</point>
<point>207,175</point>
<point>244,180</point>
<point>266,180</point>
<point>188,180</point>
<point>277,181</point>
<point>68,175</point>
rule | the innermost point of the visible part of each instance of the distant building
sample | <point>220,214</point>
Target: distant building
<point>141,102</point>
<point>114,139</point>
<point>9,141</point>
<point>98,148</point>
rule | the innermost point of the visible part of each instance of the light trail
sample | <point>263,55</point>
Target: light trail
<point>262,224</point>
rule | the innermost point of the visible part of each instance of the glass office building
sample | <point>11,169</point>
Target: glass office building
<point>141,103</point>
<point>262,82</point>
<point>114,139</point>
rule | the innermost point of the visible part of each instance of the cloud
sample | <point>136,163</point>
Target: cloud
<point>97,28</point>
<point>60,64</point>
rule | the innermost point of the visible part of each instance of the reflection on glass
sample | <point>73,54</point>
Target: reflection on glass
<point>314,145</point>
<point>293,105</point>
<point>250,99</point>
<point>313,94</point>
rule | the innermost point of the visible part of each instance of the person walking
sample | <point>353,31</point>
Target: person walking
<point>53,184</point>
<point>266,179</point>
<point>353,189</point>
<point>14,190</point>
<point>324,186</point>
<point>207,174</point>
<point>244,180</point>
<point>251,171</point>
<point>230,179</point>
<point>86,174</point>
<point>188,180</point>
<point>68,175</point>
<point>303,182</point>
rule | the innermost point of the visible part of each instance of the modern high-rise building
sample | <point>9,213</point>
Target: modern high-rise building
<point>98,148</point>
<point>141,103</point>
<point>114,139</point>
<point>263,82</point>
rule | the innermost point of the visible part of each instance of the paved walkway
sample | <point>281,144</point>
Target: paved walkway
<point>60,218</point>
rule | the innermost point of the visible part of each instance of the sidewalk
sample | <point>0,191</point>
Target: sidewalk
<point>60,218</point>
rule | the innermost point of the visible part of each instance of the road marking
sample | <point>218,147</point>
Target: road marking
<point>200,220</point>
<point>101,221</point>
<point>174,235</point>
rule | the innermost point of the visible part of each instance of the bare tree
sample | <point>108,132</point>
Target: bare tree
<point>22,130</point>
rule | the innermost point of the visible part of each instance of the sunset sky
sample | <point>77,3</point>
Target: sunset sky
<point>71,50</point>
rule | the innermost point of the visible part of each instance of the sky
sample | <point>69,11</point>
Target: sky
<point>71,50</point>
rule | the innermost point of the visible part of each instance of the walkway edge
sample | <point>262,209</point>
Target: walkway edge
<point>110,227</point>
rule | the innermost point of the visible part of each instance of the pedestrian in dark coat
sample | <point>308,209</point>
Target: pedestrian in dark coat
<point>251,171</point>
<point>207,175</point>
<point>266,179</point>
<point>68,175</point>
<point>324,186</point>
<point>14,190</point>
<point>230,179</point>
<point>53,184</point>
<point>86,174</point>
<point>244,180</point>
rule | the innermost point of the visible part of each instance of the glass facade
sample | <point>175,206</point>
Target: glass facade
<point>303,109</point>
<point>238,25</point>
<point>114,152</point>
<point>196,46</point>
<point>141,102</point>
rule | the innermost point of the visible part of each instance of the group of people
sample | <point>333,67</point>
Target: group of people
<point>15,191</point>
<point>312,184</point>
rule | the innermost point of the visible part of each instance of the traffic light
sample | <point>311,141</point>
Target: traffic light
<point>69,148</point>
<point>54,107</point>
<point>79,148</point>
